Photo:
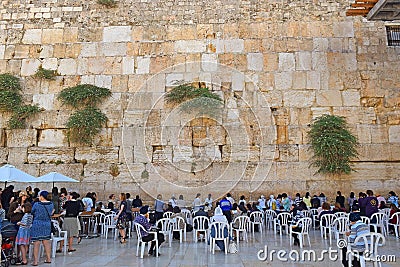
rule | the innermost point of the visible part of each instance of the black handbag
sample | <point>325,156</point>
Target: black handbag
<point>54,230</point>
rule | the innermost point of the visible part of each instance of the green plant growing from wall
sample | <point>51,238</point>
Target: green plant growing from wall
<point>88,120</point>
<point>45,74</point>
<point>11,101</point>
<point>107,3</point>
<point>191,98</point>
<point>333,145</point>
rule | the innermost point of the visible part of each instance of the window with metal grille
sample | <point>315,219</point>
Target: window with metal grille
<point>393,35</point>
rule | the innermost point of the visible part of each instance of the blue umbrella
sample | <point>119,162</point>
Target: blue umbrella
<point>8,173</point>
<point>54,177</point>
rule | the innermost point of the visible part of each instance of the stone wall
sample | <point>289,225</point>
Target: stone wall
<point>276,64</point>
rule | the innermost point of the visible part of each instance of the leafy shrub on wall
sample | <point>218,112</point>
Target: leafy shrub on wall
<point>88,120</point>
<point>11,101</point>
<point>333,145</point>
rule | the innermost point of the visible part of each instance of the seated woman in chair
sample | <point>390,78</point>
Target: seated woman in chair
<point>143,220</point>
<point>219,217</point>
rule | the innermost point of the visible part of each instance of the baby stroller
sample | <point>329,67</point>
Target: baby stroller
<point>9,232</point>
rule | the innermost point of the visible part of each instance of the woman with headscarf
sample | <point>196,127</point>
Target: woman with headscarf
<point>41,226</point>
<point>71,224</point>
<point>219,217</point>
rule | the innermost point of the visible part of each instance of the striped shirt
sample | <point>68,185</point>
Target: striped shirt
<point>357,229</point>
<point>26,221</point>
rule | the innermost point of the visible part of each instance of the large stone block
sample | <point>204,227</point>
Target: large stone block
<point>286,62</point>
<point>29,66</point>
<point>45,101</point>
<point>190,46</point>
<point>209,62</point>
<point>32,36</point>
<point>143,65</point>
<point>116,34</point>
<point>303,60</point>
<point>394,134</point>
<point>283,80</point>
<point>52,36</point>
<point>50,155</point>
<point>52,138</point>
<point>299,99</point>
<point>113,49</point>
<point>329,98</point>
<point>21,137</point>
<point>255,61</point>
<point>97,154</point>
<point>68,66</point>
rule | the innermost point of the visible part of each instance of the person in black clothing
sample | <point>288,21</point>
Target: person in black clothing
<point>6,196</point>
<point>315,202</point>
<point>72,208</point>
<point>340,199</point>
<point>137,202</point>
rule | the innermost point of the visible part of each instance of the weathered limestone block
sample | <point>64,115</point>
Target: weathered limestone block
<point>21,137</point>
<point>32,36</point>
<point>52,36</point>
<point>374,152</point>
<point>97,154</point>
<point>319,61</point>
<point>303,60</point>
<point>329,98</point>
<point>50,63</point>
<point>3,154</point>
<point>89,49</point>
<point>143,65</point>
<point>96,65</point>
<point>68,66</point>
<point>17,155</point>
<point>288,153</point>
<point>255,61</point>
<point>71,34</point>
<point>29,67</point>
<point>209,62</point>
<point>343,29</point>
<point>190,46</point>
<point>21,51</point>
<point>50,155</point>
<point>286,62</point>
<point>46,51</point>
<point>233,46</point>
<point>182,153</point>
<point>2,51</point>
<point>115,34</point>
<point>394,134</point>
<point>52,138</point>
<point>240,153</point>
<point>162,154</point>
<point>351,98</point>
<point>313,80</point>
<point>45,101</point>
<point>128,65</point>
<point>283,80</point>
<point>113,49</point>
<point>299,99</point>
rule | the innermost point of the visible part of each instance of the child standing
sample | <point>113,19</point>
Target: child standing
<point>24,232</point>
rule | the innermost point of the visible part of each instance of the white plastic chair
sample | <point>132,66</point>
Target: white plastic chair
<point>366,220</point>
<point>219,229</point>
<point>395,225</point>
<point>269,216</point>
<point>327,219</point>
<point>100,219</point>
<point>110,223</point>
<point>60,236</point>
<point>314,217</point>
<point>168,214</point>
<point>202,223</point>
<point>282,221</point>
<point>140,243</point>
<point>371,243</point>
<point>256,217</point>
<point>242,222</point>
<point>165,228</point>
<point>381,220</point>
<point>305,224</point>
<point>188,216</point>
<point>341,214</point>
<point>340,226</point>
<point>175,227</point>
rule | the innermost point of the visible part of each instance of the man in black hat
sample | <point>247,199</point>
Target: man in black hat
<point>143,220</point>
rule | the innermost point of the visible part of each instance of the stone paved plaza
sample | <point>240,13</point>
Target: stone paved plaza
<point>102,252</point>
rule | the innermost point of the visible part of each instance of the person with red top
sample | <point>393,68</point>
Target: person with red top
<point>393,210</point>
